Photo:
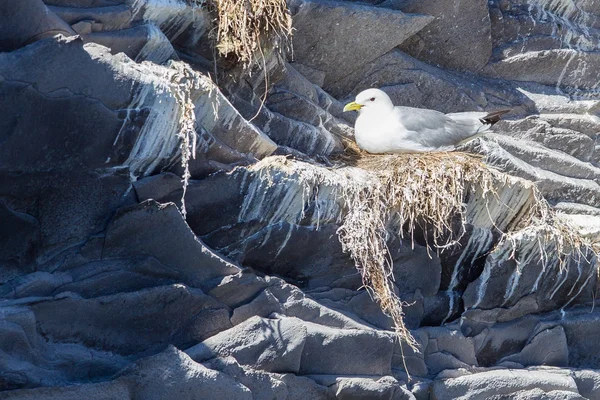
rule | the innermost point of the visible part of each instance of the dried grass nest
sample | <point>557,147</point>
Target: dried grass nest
<point>243,28</point>
<point>429,190</point>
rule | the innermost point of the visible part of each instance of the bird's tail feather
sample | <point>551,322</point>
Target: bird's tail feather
<point>493,117</point>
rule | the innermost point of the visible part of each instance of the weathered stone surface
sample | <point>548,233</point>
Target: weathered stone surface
<point>443,40</point>
<point>566,67</point>
<point>364,388</point>
<point>274,345</point>
<point>506,383</point>
<point>413,83</point>
<point>170,374</point>
<point>324,46</point>
<point>127,323</point>
<point>133,232</point>
<point>27,21</point>
<point>66,214</point>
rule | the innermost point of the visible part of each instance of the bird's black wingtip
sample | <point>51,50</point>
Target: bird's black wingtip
<point>494,116</point>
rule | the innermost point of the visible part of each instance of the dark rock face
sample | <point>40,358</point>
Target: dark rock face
<point>108,292</point>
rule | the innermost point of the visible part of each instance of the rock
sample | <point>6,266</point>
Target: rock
<point>273,345</point>
<point>172,374</point>
<point>133,231</point>
<point>411,263</point>
<point>485,385</point>
<point>411,82</point>
<point>262,385</point>
<point>560,68</point>
<point>157,187</point>
<point>502,283</point>
<point>346,351</point>
<point>262,306</point>
<point>133,120</point>
<point>443,41</point>
<point>66,215</point>
<point>588,383</point>
<point>238,289</point>
<point>28,21</point>
<point>548,347</point>
<point>127,323</point>
<point>20,234</point>
<point>577,327</point>
<point>140,43</point>
<point>448,349</point>
<point>364,388</point>
<point>300,388</point>
<point>92,279</point>
<point>379,30</point>
<point>109,17</point>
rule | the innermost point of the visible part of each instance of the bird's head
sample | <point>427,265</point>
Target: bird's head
<point>374,99</point>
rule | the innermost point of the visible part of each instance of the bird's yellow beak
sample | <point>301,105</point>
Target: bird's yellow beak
<point>352,107</point>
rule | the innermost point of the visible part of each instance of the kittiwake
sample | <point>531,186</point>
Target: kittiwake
<point>383,128</point>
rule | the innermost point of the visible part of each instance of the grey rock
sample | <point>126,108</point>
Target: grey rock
<point>133,230</point>
<point>92,279</point>
<point>236,290</point>
<point>443,40</point>
<point>411,263</point>
<point>578,327</point>
<point>407,358</point>
<point>314,75</point>
<point>157,187</point>
<point>109,17</point>
<point>365,388</point>
<point>507,383</point>
<point>27,21</point>
<point>262,306</point>
<point>502,283</point>
<point>564,67</point>
<point>448,349</point>
<point>300,388</point>
<point>504,341</point>
<point>379,30</point>
<point>273,345</point>
<point>262,385</point>
<point>140,43</point>
<point>588,383</point>
<point>346,351</point>
<point>127,323</point>
<point>170,374</point>
<point>411,82</point>
<point>66,215</point>
<point>93,391</point>
<point>548,347</point>
<point>20,234</point>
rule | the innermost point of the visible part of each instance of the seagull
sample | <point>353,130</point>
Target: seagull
<point>382,128</point>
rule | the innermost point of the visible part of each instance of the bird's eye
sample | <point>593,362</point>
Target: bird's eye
<point>372,99</point>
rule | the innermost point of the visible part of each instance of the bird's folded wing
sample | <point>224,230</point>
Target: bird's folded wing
<point>434,129</point>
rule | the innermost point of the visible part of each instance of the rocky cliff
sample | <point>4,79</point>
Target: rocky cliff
<point>113,288</point>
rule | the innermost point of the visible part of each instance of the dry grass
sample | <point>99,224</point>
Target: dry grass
<point>411,190</point>
<point>429,190</point>
<point>185,81</point>
<point>243,28</point>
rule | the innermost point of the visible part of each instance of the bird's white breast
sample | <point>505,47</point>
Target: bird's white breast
<point>378,132</point>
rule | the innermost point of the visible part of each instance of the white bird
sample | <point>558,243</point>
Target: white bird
<point>383,128</point>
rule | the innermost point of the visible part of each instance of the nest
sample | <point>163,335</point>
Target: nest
<point>428,191</point>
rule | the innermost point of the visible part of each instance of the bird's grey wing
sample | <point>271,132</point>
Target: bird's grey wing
<point>429,127</point>
<point>471,123</point>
